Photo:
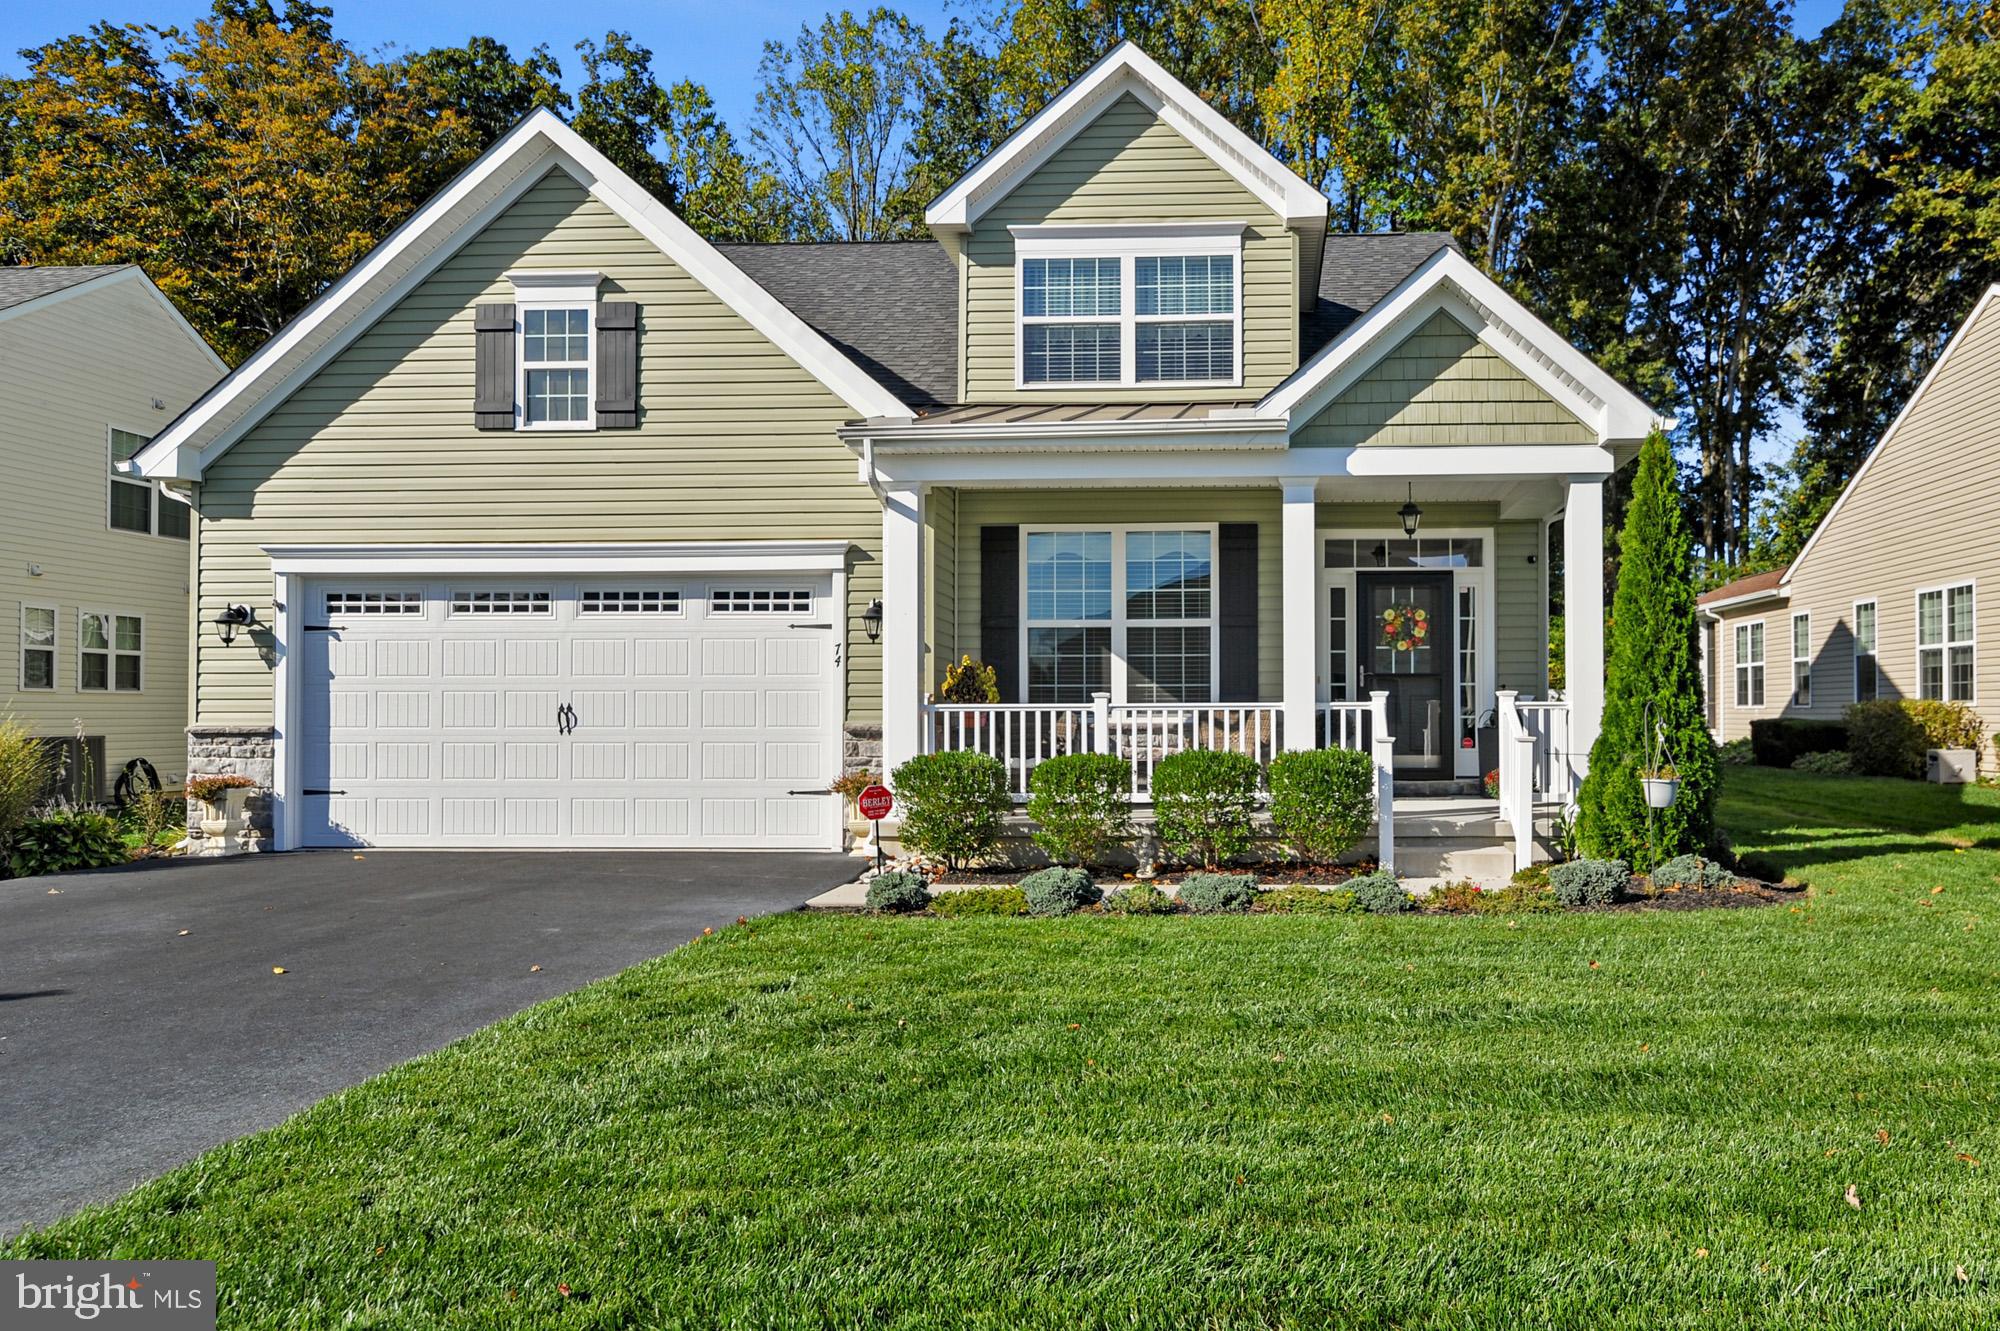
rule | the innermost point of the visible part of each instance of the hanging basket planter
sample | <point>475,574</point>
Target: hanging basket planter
<point>1661,788</point>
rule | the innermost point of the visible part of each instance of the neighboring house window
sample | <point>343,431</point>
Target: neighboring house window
<point>38,646</point>
<point>1750,664</point>
<point>1129,612</point>
<point>141,505</point>
<point>1802,660</point>
<point>555,366</point>
<point>1130,309</point>
<point>1944,643</point>
<point>1867,682</point>
<point>109,647</point>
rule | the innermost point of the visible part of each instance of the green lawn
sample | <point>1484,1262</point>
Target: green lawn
<point>1636,1119</point>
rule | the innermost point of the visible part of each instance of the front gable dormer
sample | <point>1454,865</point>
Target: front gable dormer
<point>1129,245</point>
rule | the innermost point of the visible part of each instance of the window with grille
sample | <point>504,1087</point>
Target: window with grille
<point>109,650</point>
<point>760,600</point>
<point>1129,612</point>
<point>1750,664</point>
<point>1802,660</point>
<point>38,646</point>
<point>1867,679</point>
<point>1130,314</point>
<point>630,601</point>
<point>555,367</point>
<point>1944,644</point>
<point>500,603</point>
<point>374,603</point>
<point>139,505</point>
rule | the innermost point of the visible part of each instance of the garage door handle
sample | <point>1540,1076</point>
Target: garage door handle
<point>326,792</point>
<point>565,719</point>
<point>808,626</point>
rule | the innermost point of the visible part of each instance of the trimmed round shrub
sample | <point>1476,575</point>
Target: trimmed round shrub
<point>1218,893</point>
<point>1322,801</point>
<point>1692,871</point>
<point>1058,891</point>
<point>1138,899</point>
<point>1379,893</point>
<point>898,892</point>
<point>1830,762</point>
<point>1589,882</point>
<point>1304,899</point>
<point>65,840</point>
<point>953,806</point>
<point>1202,803</point>
<point>980,901</point>
<point>1081,804</point>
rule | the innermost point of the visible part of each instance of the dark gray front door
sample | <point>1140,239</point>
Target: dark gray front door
<point>1403,636</point>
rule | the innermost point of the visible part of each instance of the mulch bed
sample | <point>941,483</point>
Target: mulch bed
<point>1268,875</point>
<point>1748,892</point>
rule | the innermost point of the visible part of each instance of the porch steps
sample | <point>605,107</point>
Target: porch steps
<point>1453,838</point>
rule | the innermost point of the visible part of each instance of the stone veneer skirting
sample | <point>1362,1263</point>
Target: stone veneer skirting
<point>238,751</point>
<point>861,747</point>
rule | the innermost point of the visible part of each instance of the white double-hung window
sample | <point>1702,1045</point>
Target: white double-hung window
<point>1944,643</point>
<point>558,338</point>
<point>1129,307</point>
<point>1750,664</point>
<point>1128,611</point>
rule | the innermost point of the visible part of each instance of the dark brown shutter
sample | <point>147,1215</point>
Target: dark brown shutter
<point>493,377</point>
<point>1236,601</point>
<point>1000,607</point>
<point>617,365</point>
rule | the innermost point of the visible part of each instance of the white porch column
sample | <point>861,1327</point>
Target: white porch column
<point>1583,613</point>
<point>902,625</point>
<point>1301,613</point>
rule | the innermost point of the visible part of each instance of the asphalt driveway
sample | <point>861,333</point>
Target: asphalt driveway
<point>141,1022</point>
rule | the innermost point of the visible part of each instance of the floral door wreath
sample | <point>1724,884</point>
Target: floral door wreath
<point>1405,627</point>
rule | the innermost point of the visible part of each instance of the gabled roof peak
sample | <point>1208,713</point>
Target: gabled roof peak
<point>1127,70</point>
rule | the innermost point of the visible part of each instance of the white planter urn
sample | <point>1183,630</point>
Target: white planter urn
<point>222,821</point>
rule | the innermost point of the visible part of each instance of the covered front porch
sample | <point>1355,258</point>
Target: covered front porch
<point>1134,612</point>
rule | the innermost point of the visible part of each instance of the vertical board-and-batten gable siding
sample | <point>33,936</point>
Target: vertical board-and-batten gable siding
<point>1921,516</point>
<point>1520,607</point>
<point>1442,385</point>
<point>735,441</point>
<point>85,362</point>
<point>1128,166</point>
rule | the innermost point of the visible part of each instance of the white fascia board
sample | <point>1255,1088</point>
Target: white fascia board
<point>1747,598</point>
<point>1127,69</point>
<point>603,559</point>
<point>1854,482</point>
<point>1450,282</point>
<point>1192,463</point>
<point>424,241</point>
<point>1211,432</point>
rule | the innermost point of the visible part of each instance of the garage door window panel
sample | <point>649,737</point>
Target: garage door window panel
<point>760,601</point>
<point>502,602</point>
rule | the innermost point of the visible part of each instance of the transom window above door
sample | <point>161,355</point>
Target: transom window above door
<point>1124,611</point>
<point>1129,308</point>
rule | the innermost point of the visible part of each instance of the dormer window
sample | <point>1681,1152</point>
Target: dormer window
<point>1129,307</point>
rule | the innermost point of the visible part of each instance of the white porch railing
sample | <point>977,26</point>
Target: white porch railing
<point>1143,734</point>
<point>1364,727</point>
<point>1018,734</point>
<point>1536,765</point>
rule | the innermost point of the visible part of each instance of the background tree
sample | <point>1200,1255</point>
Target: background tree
<point>834,113</point>
<point>488,88</point>
<point>1651,676</point>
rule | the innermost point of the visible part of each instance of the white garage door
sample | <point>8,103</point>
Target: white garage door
<point>601,712</point>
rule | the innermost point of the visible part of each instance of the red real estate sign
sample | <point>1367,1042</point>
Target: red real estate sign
<point>875,803</point>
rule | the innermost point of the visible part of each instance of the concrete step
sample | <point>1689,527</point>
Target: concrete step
<point>1487,863</point>
<point>1458,788</point>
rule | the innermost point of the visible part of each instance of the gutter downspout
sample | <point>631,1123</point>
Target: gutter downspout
<point>868,475</point>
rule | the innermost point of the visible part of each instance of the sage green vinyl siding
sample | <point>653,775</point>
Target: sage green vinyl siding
<point>735,441</point>
<point>1521,639</point>
<point>1128,166</point>
<point>70,368</point>
<point>1920,516</point>
<point>1442,385</point>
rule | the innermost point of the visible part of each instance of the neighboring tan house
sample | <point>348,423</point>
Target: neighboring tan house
<point>1883,600</point>
<point>94,565</point>
<point>560,526</point>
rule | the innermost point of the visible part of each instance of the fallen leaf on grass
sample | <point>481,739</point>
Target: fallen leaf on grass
<point>1277,1058</point>
<point>1593,965</point>
<point>563,1290</point>
<point>1388,1118</point>
<point>1076,1025</point>
<point>1701,1252</point>
<point>1853,1197</point>
<point>1959,1272</point>
<point>1939,888</point>
<point>1882,1135</point>
<point>1968,1159</point>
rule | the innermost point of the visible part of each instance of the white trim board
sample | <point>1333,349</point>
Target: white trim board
<point>522,158</point>
<point>1854,482</point>
<point>1450,282</point>
<point>1127,70</point>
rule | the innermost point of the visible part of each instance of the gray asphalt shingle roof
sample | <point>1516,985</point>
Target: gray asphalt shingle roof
<point>893,306</point>
<point>18,286</point>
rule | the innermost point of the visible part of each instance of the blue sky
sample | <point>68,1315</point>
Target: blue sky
<point>716,42</point>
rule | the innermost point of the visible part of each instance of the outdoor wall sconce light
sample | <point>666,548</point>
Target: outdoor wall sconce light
<point>1410,513</point>
<point>871,620</point>
<point>232,618</point>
